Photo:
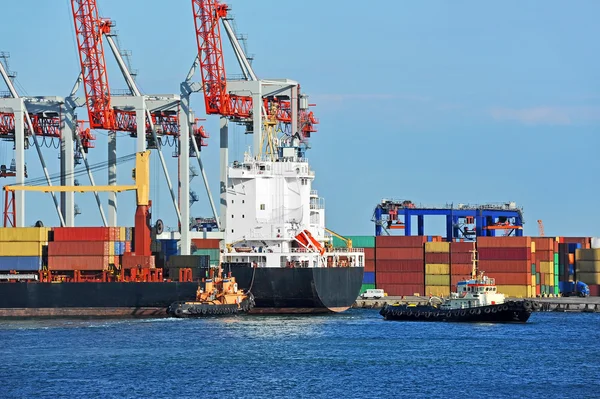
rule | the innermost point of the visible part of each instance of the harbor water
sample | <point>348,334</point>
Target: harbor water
<point>354,354</point>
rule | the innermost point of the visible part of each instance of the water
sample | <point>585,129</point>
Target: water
<point>352,355</point>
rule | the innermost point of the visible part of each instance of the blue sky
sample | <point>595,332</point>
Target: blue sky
<point>437,102</point>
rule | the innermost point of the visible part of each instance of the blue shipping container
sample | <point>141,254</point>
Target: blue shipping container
<point>573,246</point>
<point>20,263</point>
<point>369,278</point>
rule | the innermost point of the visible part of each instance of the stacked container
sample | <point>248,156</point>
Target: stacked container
<point>587,266</point>
<point>547,265</point>
<point>461,262</point>
<point>21,248</point>
<point>368,244</point>
<point>437,268</point>
<point>83,248</point>
<point>399,264</point>
<point>208,246</point>
<point>508,261</point>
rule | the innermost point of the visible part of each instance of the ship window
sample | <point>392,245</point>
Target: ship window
<point>242,216</point>
<point>232,201</point>
<point>262,207</point>
<point>232,230</point>
<point>232,216</point>
<point>243,202</point>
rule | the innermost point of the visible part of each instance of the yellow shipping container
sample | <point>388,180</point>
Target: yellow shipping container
<point>588,266</point>
<point>437,268</point>
<point>533,281</point>
<point>437,247</point>
<point>532,247</point>
<point>111,248</point>
<point>20,234</point>
<point>122,234</point>
<point>515,291</point>
<point>589,278</point>
<point>437,290</point>
<point>31,248</point>
<point>587,254</point>
<point>530,292</point>
<point>546,267</point>
<point>437,280</point>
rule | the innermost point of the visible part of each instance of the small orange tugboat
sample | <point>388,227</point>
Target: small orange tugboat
<point>216,295</point>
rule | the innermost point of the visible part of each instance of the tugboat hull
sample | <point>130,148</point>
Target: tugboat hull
<point>510,312</point>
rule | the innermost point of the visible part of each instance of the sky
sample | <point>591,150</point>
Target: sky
<point>437,102</point>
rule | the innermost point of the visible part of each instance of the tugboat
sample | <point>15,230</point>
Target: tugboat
<point>476,300</point>
<point>217,295</point>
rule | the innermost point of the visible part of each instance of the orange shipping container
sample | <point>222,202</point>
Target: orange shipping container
<point>503,242</point>
<point>369,265</point>
<point>400,253</point>
<point>437,257</point>
<point>458,269</point>
<point>369,253</point>
<point>399,242</point>
<point>206,243</point>
<point>543,243</point>
<point>399,265</point>
<point>461,257</point>
<point>133,261</point>
<point>511,278</point>
<point>400,278</point>
<point>462,247</point>
<point>504,266</point>
<point>65,263</point>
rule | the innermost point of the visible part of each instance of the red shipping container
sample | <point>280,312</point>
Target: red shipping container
<point>127,246</point>
<point>458,269</point>
<point>543,243</point>
<point>82,233</point>
<point>511,278</point>
<point>206,243</point>
<point>402,289</point>
<point>400,278</point>
<point>594,290</point>
<point>538,290</point>
<point>584,241</point>
<point>399,266</point>
<point>504,253</point>
<point>77,248</point>
<point>504,266</point>
<point>437,257</point>
<point>399,242</point>
<point>462,246</point>
<point>461,257</point>
<point>369,253</point>
<point>369,265</point>
<point>78,263</point>
<point>133,261</point>
<point>503,242</point>
<point>400,253</point>
<point>544,256</point>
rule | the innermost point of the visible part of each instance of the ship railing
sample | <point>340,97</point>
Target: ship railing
<point>341,250</point>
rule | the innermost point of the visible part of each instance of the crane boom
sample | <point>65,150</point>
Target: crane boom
<point>89,29</point>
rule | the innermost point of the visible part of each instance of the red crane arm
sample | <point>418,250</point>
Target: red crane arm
<point>89,29</point>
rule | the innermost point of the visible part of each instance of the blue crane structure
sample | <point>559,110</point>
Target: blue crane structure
<point>463,221</point>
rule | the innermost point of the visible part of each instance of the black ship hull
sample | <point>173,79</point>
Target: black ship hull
<point>511,312</point>
<point>299,290</point>
<point>34,299</point>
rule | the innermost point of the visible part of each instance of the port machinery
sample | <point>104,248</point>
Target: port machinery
<point>463,221</point>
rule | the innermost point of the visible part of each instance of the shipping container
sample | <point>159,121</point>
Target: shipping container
<point>69,263</point>
<point>76,248</point>
<point>437,257</point>
<point>214,254</point>
<point>133,261</point>
<point>206,243</point>
<point>370,265</point>
<point>370,253</point>
<point>513,266</point>
<point>588,266</point>
<point>83,233</point>
<point>399,278</point>
<point>504,253</point>
<point>594,289</point>
<point>39,234</point>
<point>462,247</point>
<point>589,278</point>
<point>545,256</point>
<point>503,242</point>
<point>431,279</point>
<point>21,248</point>
<point>514,291</point>
<point>437,268</point>
<point>402,289</point>
<point>399,253</point>
<point>437,247</point>
<point>437,290</point>
<point>458,269</point>
<point>191,261</point>
<point>20,263</point>
<point>543,243</point>
<point>399,242</point>
<point>399,266</point>
<point>357,241</point>
<point>461,257</point>
<point>368,278</point>
<point>587,254</point>
<point>511,278</point>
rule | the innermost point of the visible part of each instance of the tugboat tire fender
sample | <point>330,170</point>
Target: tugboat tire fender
<point>472,311</point>
<point>463,312</point>
<point>417,314</point>
<point>504,307</point>
<point>427,315</point>
<point>536,306</point>
<point>436,314</point>
<point>487,310</point>
<point>204,310</point>
<point>494,310</point>
<point>527,305</point>
<point>178,312</point>
<point>478,311</point>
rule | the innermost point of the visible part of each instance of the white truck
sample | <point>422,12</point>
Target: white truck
<point>373,294</point>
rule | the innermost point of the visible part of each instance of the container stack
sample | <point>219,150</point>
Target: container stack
<point>399,264</point>
<point>547,265</point>
<point>368,244</point>
<point>207,246</point>
<point>587,267</point>
<point>22,248</point>
<point>508,261</point>
<point>437,268</point>
<point>82,248</point>
<point>198,264</point>
<point>461,262</point>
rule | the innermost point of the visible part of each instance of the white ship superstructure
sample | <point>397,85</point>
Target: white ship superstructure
<point>275,219</point>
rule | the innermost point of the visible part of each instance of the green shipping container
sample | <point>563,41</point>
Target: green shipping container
<point>357,241</point>
<point>538,278</point>
<point>556,259</point>
<point>365,287</point>
<point>213,253</point>
<point>533,268</point>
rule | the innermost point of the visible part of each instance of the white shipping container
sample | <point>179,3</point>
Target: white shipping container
<point>596,242</point>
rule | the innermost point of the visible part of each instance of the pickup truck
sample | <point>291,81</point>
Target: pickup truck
<point>373,294</point>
